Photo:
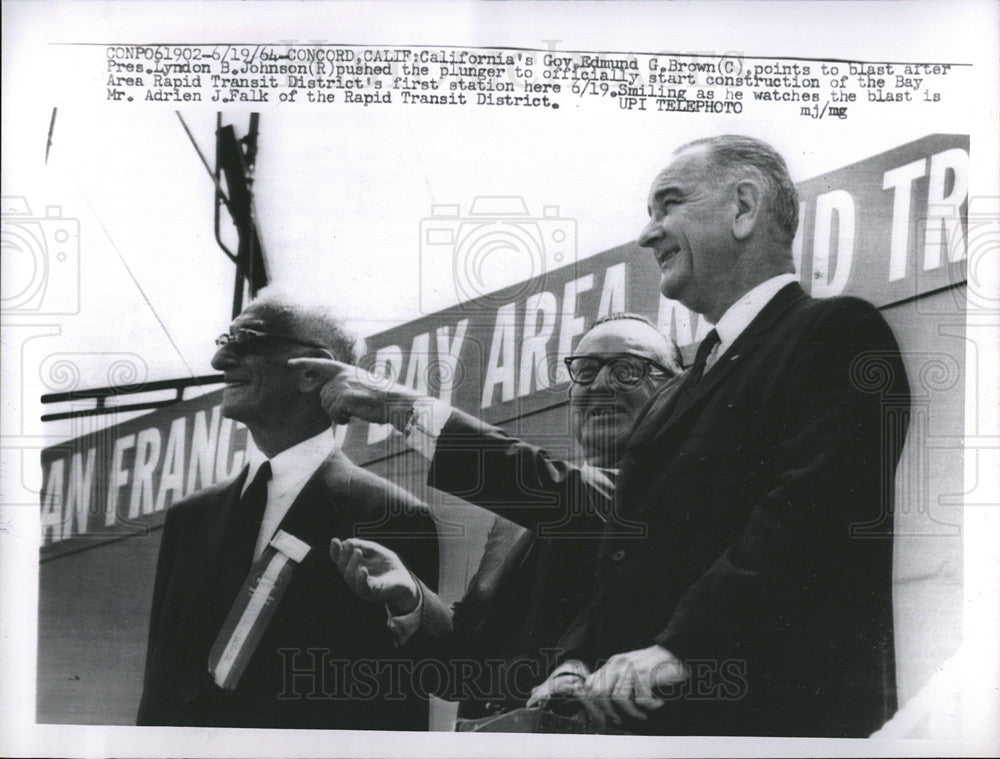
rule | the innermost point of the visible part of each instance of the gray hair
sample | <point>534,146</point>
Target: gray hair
<point>735,154</point>
<point>310,318</point>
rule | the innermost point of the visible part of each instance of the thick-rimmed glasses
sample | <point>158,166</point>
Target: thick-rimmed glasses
<point>626,369</point>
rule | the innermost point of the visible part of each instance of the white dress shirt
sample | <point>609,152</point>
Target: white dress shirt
<point>290,471</point>
<point>429,418</point>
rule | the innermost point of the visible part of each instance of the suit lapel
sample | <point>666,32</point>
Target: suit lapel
<point>666,413</point>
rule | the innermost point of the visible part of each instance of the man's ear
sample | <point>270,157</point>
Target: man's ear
<point>749,207</point>
<point>309,380</point>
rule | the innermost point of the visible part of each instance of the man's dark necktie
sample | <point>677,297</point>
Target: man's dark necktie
<point>237,547</point>
<point>698,367</point>
<point>248,519</point>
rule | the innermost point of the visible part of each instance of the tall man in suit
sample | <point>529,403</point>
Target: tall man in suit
<point>252,624</point>
<point>757,604</point>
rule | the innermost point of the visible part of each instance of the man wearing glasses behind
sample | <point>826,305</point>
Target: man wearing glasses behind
<point>252,624</point>
<point>620,364</point>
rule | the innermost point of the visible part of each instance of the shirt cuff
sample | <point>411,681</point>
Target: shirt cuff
<point>571,667</point>
<point>403,627</point>
<point>424,428</point>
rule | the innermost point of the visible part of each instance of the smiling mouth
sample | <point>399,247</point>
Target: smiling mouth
<point>663,256</point>
<point>597,414</point>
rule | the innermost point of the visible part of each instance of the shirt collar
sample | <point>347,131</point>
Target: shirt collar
<point>293,465</point>
<point>739,315</point>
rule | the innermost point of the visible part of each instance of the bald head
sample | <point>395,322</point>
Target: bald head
<point>635,331</point>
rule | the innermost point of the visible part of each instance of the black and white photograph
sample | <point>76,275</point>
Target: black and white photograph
<point>500,379</point>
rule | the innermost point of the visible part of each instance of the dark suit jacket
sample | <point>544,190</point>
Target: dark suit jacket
<point>766,492</point>
<point>327,659</point>
<point>552,498</point>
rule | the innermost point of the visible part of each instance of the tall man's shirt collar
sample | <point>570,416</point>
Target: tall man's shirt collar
<point>739,315</point>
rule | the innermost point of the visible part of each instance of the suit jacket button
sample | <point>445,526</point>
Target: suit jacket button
<point>618,555</point>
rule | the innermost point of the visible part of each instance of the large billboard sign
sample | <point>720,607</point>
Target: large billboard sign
<point>887,229</point>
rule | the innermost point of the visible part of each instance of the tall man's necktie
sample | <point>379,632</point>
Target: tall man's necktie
<point>701,359</point>
<point>694,374</point>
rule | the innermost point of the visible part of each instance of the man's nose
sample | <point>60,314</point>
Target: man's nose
<point>598,394</point>
<point>649,234</point>
<point>224,359</point>
<point>602,385</point>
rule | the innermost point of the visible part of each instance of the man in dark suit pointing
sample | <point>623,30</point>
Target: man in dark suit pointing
<point>252,624</point>
<point>530,588</point>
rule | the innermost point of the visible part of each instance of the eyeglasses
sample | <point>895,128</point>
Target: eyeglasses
<point>243,340</point>
<point>626,369</point>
